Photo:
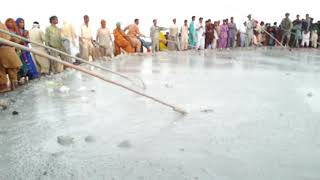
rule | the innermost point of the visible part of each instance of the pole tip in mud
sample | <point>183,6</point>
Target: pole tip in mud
<point>181,111</point>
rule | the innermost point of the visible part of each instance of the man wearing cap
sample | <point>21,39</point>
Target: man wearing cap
<point>37,35</point>
<point>249,30</point>
<point>286,26</point>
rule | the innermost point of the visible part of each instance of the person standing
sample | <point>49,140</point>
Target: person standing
<point>223,36</point>
<point>37,35</point>
<point>68,36</point>
<point>104,40</point>
<point>232,33</point>
<point>155,36</point>
<point>85,39</point>
<point>250,24</point>
<point>173,43</point>
<point>243,34</point>
<point>192,34</point>
<point>297,31</point>
<point>9,63</point>
<point>53,39</point>
<point>25,55</point>
<point>184,35</point>
<point>200,28</point>
<point>286,27</point>
<point>209,35</point>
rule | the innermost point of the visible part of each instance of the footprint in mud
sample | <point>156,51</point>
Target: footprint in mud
<point>207,111</point>
<point>310,94</point>
<point>89,139</point>
<point>125,144</point>
<point>3,132</point>
<point>65,140</point>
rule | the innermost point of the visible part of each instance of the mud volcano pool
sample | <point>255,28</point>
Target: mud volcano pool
<point>252,114</point>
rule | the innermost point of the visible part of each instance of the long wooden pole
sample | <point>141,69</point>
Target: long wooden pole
<point>175,108</point>
<point>74,57</point>
<point>273,37</point>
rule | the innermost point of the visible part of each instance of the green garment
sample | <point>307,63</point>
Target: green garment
<point>53,37</point>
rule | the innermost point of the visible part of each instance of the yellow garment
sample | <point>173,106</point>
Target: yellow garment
<point>163,41</point>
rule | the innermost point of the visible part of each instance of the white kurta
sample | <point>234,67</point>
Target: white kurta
<point>85,43</point>
<point>200,35</point>
<point>184,37</point>
<point>43,64</point>
<point>173,44</point>
<point>105,41</point>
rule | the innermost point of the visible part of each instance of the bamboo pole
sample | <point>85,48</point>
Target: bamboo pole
<point>99,76</point>
<point>74,57</point>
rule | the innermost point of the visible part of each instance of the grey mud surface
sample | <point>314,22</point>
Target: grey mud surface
<point>252,115</point>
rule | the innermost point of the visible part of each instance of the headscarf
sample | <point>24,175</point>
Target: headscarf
<point>22,30</point>
<point>14,29</point>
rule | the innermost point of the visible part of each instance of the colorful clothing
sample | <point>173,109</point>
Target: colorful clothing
<point>121,41</point>
<point>163,42</point>
<point>209,35</point>
<point>9,62</point>
<point>223,36</point>
<point>192,36</point>
<point>26,55</point>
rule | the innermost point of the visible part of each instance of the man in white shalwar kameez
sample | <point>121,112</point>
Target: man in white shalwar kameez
<point>174,44</point>
<point>104,40</point>
<point>184,36</point>
<point>85,40</point>
<point>200,29</point>
<point>37,35</point>
<point>68,36</point>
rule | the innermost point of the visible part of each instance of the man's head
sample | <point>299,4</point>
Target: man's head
<point>287,15</point>
<point>54,20</point>
<point>249,16</point>
<point>86,19</point>
<point>35,24</point>
<point>103,23</point>
<point>307,16</point>
<point>200,20</point>
<point>231,19</point>
<point>118,24</point>
<point>155,22</point>
<point>136,21</point>
<point>193,18</point>
<point>185,22</point>
<point>298,16</point>
<point>174,21</point>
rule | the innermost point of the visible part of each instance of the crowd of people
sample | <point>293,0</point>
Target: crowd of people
<point>19,66</point>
